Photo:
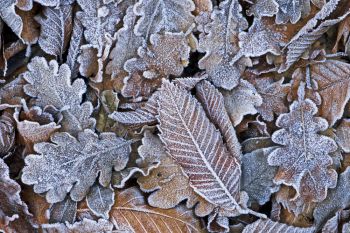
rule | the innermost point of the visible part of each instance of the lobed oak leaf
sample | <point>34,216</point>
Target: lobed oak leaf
<point>167,54</point>
<point>132,214</point>
<point>99,20</point>
<point>167,183</point>
<point>163,15</point>
<point>126,46</point>
<point>260,39</point>
<point>72,165</point>
<point>84,226</point>
<point>219,40</point>
<point>241,100</point>
<point>64,211</point>
<point>263,8</point>
<point>262,226</point>
<point>274,95</point>
<point>56,27</point>
<point>303,158</point>
<point>51,86</point>
<point>195,144</point>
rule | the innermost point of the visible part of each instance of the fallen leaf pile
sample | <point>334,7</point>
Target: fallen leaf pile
<point>162,116</point>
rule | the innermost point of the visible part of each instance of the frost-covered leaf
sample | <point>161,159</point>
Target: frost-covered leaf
<point>263,8</point>
<point>293,10</point>
<point>56,27</point>
<point>262,226</point>
<point>168,54</point>
<point>303,159</point>
<point>168,184</point>
<point>343,135</point>
<point>76,41</point>
<point>100,200</point>
<point>189,83</point>
<point>64,211</point>
<point>334,223</point>
<point>195,144</point>
<point>260,39</point>
<point>241,100</point>
<point>126,45</point>
<point>257,176</point>
<point>84,226</point>
<point>32,131</point>
<point>7,133</point>
<point>295,205</point>
<point>10,17</point>
<point>274,95</point>
<point>311,32</point>
<point>219,40</point>
<point>99,20</point>
<point>146,115</point>
<point>163,15</point>
<point>213,103</point>
<point>337,199</point>
<point>72,165</point>
<point>132,214</point>
<point>51,86</point>
<point>137,86</point>
<point>333,85</point>
<point>14,214</point>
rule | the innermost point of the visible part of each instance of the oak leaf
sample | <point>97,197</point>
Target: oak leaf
<point>219,41</point>
<point>163,15</point>
<point>303,158</point>
<point>69,164</point>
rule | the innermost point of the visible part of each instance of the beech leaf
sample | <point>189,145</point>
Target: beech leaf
<point>56,27</point>
<point>132,214</point>
<point>195,144</point>
<point>260,226</point>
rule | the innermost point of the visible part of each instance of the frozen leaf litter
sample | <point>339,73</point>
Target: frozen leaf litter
<point>174,116</point>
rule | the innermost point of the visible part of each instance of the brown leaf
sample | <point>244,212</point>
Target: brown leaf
<point>168,184</point>
<point>195,144</point>
<point>262,226</point>
<point>303,158</point>
<point>14,214</point>
<point>131,213</point>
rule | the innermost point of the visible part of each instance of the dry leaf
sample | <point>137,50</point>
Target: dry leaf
<point>132,214</point>
<point>72,165</point>
<point>303,159</point>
